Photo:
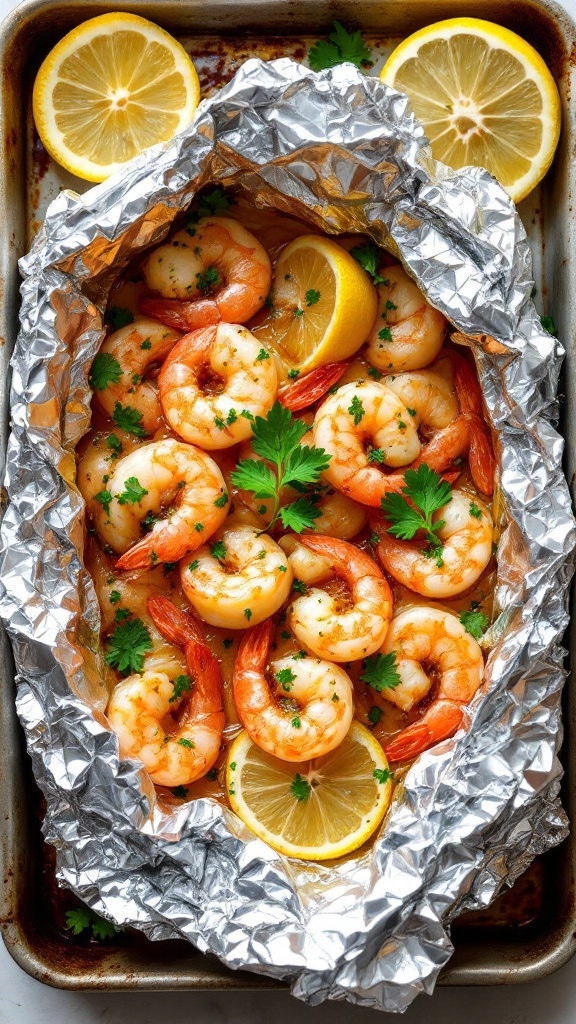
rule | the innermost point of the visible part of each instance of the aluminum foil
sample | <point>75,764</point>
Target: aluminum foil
<point>344,152</point>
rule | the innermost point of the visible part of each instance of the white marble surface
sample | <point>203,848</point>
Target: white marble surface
<point>25,1001</point>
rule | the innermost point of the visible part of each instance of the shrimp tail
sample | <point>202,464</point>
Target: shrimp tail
<point>184,316</point>
<point>440,722</point>
<point>176,626</point>
<point>152,549</point>
<point>204,669</point>
<point>481,455</point>
<point>448,444</point>
<point>312,387</point>
<point>254,648</point>
<point>342,554</point>
<point>466,386</point>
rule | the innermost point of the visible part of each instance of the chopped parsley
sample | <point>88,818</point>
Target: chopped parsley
<point>134,492</point>
<point>385,334</point>
<point>222,500</point>
<point>208,279</point>
<point>117,317</point>
<point>263,354</point>
<point>312,297</point>
<point>356,409</point>
<point>374,714</point>
<point>367,257</point>
<point>475,512</point>
<point>285,677</point>
<point>300,787</point>
<point>218,550</point>
<point>382,775</point>
<point>182,684</point>
<point>474,622</point>
<point>128,419</point>
<point>105,499</point>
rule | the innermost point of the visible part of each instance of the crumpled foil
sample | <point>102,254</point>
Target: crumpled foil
<point>344,152</point>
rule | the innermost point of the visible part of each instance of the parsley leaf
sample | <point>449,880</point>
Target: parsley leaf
<point>114,444</point>
<point>367,257</point>
<point>77,920</point>
<point>377,455</point>
<point>181,792</point>
<point>312,297</point>
<point>277,439</point>
<point>548,324</point>
<point>127,646</point>
<point>475,512</point>
<point>221,501</point>
<point>299,515</point>
<point>474,622</point>
<point>382,775</point>
<point>343,46</point>
<point>285,677</point>
<point>428,492</point>
<point>218,550</point>
<point>133,493</point>
<point>385,334</point>
<point>105,499</point>
<point>262,355</point>
<point>374,373</point>
<point>380,672</point>
<point>102,929</point>
<point>105,370</point>
<point>207,279</point>
<point>300,787</point>
<point>356,409</point>
<point>128,419</point>
<point>213,202</point>
<point>181,685</point>
<point>117,317</point>
<point>374,715</point>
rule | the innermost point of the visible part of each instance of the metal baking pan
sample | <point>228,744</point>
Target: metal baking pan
<point>532,930</point>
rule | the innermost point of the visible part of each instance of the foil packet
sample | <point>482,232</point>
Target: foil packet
<point>344,152</point>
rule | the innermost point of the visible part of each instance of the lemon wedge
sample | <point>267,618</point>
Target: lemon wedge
<point>312,810</point>
<point>322,304</point>
<point>485,97</point>
<point>109,89</point>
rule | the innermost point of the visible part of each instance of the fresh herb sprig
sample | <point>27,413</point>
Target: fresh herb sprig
<point>343,46</point>
<point>367,257</point>
<point>82,918</point>
<point>277,440</point>
<point>127,646</point>
<point>424,493</point>
<point>474,622</point>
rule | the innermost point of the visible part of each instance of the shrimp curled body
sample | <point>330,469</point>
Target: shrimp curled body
<point>135,348</point>
<point>170,476</point>
<point>425,641</point>
<point>215,272</point>
<point>319,693</point>
<point>214,382</point>
<point>348,629</point>
<point>361,413</point>
<point>415,329</point>
<point>183,751</point>
<point>248,582</point>
<point>466,550</point>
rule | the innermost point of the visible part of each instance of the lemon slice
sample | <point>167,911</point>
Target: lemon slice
<point>322,304</point>
<point>109,89</point>
<point>313,810</point>
<point>485,97</point>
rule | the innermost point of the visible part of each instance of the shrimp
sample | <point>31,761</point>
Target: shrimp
<point>349,626</point>
<point>212,272</point>
<point>362,414</point>
<point>313,386</point>
<point>307,565</point>
<point>176,487</point>
<point>239,581</point>
<point>134,349</point>
<point>466,550</point>
<point>304,711</point>
<point>434,653</point>
<point>98,453</point>
<point>214,382</point>
<point>408,333</point>
<point>176,735</point>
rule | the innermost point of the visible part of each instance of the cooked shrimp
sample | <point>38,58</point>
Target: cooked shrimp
<point>304,711</point>
<point>301,393</point>
<point>433,652</point>
<point>349,626</point>
<point>359,415</point>
<point>212,272</point>
<point>173,483</point>
<point>466,550</point>
<point>135,349</point>
<point>480,450</point>
<point>98,454</point>
<point>240,581</point>
<point>308,565</point>
<point>417,329</point>
<point>214,382</point>
<point>185,749</point>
